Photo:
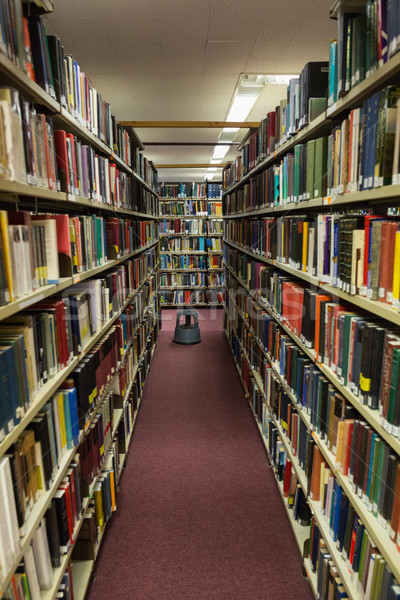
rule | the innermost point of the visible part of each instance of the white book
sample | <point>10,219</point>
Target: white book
<point>11,116</point>
<point>107,198</point>
<point>311,241</point>
<point>31,574</point>
<point>9,531</point>
<point>321,242</point>
<point>97,177</point>
<point>50,248</point>
<point>41,553</point>
<point>14,235</point>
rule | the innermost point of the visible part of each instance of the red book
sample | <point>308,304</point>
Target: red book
<point>318,299</point>
<point>271,132</point>
<point>347,446</point>
<point>60,141</point>
<point>286,481</point>
<point>367,229</point>
<point>112,238</point>
<point>67,487</point>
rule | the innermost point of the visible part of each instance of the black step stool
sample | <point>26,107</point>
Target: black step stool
<point>187,332</point>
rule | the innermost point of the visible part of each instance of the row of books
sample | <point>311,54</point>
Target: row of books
<point>190,226</point>
<point>40,155</point>
<point>33,460</point>
<point>329,584</point>
<point>305,94</point>
<point>190,190</point>
<point>41,341</point>
<point>191,279</point>
<point>197,208</point>
<point>171,261</point>
<point>37,250</point>
<point>358,348</point>
<point>29,466</point>
<point>367,37</point>
<point>358,254</point>
<point>94,372</point>
<point>43,59</point>
<point>190,244</point>
<point>190,297</point>
<point>346,529</point>
<point>361,153</point>
<point>322,486</point>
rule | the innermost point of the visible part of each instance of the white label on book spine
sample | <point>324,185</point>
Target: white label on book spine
<point>381,292</point>
<point>389,297</point>
<point>369,294</point>
<point>363,291</point>
<point>353,290</point>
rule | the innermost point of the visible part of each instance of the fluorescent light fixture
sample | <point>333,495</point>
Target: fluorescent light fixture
<point>230,129</point>
<point>211,169</point>
<point>220,150</point>
<point>215,161</point>
<point>278,79</point>
<point>241,107</point>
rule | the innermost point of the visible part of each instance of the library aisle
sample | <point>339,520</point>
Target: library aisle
<point>199,513</point>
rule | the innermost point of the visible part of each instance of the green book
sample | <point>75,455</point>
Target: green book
<point>362,554</point>
<point>349,54</point>
<point>377,578</point>
<point>310,169</point>
<point>393,385</point>
<point>360,34</point>
<point>320,168</point>
<point>378,477</point>
<point>296,173</point>
<point>316,106</point>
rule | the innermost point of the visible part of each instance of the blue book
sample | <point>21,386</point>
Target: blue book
<point>6,405</point>
<point>335,520</point>
<point>333,83</point>
<point>201,244</point>
<point>73,407</point>
<point>344,506</point>
<point>68,424</point>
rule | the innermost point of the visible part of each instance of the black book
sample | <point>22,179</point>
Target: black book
<point>365,367</point>
<point>62,519</point>
<point>39,50</point>
<point>344,507</point>
<point>323,416</point>
<point>378,343</point>
<point>315,84</point>
<point>41,431</point>
<point>53,536</point>
<point>351,516</point>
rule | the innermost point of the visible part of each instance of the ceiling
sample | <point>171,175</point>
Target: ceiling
<point>176,60</point>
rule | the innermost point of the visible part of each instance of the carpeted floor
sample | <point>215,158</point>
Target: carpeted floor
<point>199,513</point>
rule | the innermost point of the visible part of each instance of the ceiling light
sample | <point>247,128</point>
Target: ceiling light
<point>220,150</point>
<point>215,161</point>
<point>241,106</point>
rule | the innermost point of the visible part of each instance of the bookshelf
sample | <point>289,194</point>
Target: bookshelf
<point>191,233</point>
<point>267,274</point>
<point>89,225</point>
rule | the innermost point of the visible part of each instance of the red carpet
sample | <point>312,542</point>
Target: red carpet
<point>199,513</point>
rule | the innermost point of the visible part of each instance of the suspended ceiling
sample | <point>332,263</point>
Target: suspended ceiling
<point>176,60</point>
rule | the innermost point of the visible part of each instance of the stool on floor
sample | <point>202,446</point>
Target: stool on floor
<point>187,332</point>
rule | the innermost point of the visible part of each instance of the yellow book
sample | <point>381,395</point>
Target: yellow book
<point>305,247</point>
<point>61,416</point>
<point>112,486</point>
<point>99,507</point>
<point>7,255</point>
<point>396,273</point>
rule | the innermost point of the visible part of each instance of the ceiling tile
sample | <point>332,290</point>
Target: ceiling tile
<point>139,57</point>
<point>227,57</point>
<point>229,29</point>
<point>131,30</point>
<point>239,10</point>
<point>183,29</point>
<point>124,8</point>
<point>75,7</point>
<point>184,9</point>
